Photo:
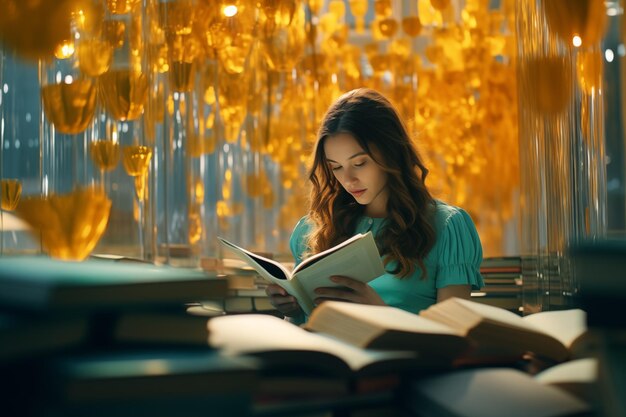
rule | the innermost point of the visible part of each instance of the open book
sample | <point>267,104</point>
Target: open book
<point>578,377</point>
<point>356,258</point>
<point>490,392</point>
<point>447,329</point>
<point>554,335</point>
<point>283,346</point>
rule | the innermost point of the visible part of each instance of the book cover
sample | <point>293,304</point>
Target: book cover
<point>152,382</point>
<point>41,284</point>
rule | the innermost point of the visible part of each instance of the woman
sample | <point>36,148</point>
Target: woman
<point>367,175</point>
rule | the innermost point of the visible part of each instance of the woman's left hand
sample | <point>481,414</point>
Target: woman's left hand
<point>350,290</point>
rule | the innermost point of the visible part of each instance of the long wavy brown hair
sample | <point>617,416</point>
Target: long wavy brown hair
<point>408,234</point>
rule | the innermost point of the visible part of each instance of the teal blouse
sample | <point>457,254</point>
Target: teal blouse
<point>454,259</point>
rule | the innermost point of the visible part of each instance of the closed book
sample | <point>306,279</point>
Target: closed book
<point>24,336</point>
<point>156,383</point>
<point>161,328</point>
<point>45,285</point>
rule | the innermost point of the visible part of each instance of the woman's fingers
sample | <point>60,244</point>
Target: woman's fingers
<point>273,289</point>
<point>353,284</point>
<point>348,289</point>
<point>282,301</point>
<point>336,293</point>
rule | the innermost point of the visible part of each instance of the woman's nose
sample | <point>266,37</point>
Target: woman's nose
<point>350,176</point>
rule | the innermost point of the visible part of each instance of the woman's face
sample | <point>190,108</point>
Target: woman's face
<point>357,173</point>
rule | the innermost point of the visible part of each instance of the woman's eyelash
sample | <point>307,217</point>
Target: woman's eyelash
<point>360,164</point>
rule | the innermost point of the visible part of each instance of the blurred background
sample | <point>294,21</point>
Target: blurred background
<point>146,128</point>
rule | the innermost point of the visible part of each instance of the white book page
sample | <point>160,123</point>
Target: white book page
<point>360,261</point>
<point>577,370</point>
<point>255,333</point>
<point>499,315</point>
<point>314,258</point>
<point>563,325</point>
<point>493,392</point>
<point>261,264</point>
<point>390,318</point>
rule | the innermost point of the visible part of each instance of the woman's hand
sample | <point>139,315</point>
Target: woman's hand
<point>349,290</point>
<point>282,301</point>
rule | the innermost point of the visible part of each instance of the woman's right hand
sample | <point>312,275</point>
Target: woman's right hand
<point>282,301</point>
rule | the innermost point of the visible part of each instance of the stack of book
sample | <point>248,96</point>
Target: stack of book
<point>110,336</point>
<point>503,283</point>
<point>246,290</point>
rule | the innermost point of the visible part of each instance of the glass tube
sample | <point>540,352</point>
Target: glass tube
<point>561,152</point>
<point>19,150</point>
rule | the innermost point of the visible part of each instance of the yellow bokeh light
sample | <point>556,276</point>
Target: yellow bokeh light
<point>229,10</point>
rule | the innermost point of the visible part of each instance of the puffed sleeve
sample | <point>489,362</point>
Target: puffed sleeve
<point>460,252</point>
<point>297,241</point>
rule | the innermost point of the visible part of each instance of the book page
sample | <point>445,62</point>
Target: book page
<point>574,371</point>
<point>314,258</point>
<point>498,315</point>
<point>268,266</point>
<point>384,317</point>
<point>490,392</point>
<point>256,333</point>
<point>564,325</point>
<point>359,260</point>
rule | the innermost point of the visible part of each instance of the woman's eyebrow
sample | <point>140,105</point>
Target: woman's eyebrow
<point>353,156</point>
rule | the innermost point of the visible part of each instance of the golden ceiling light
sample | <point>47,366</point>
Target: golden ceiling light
<point>33,29</point>
<point>551,81</point>
<point>70,225</point>
<point>589,70</point>
<point>586,19</point>
<point>411,25</point>
<point>440,5</point>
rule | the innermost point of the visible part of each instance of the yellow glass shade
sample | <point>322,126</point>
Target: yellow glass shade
<point>584,18</point>
<point>94,56</point>
<point>552,81</point>
<point>105,154</point>
<point>70,224</point>
<point>34,28</point>
<point>382,8</point>
<point>388,27</point>
<point>124,93</point>
<point>440,4</point>
<point>136,159</point>
<point>589,70</point>
<point>11,193</point>
<point>70,107</point>
<point>283,46</point>
<point>121,6</point>
<point>411,25</point>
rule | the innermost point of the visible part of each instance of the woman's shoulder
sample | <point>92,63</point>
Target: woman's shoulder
<point>303,226</point>
<point>297,241</point>
<point>445,213</point>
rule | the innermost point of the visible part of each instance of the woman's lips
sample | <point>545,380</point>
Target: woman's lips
<point>358,193</point>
